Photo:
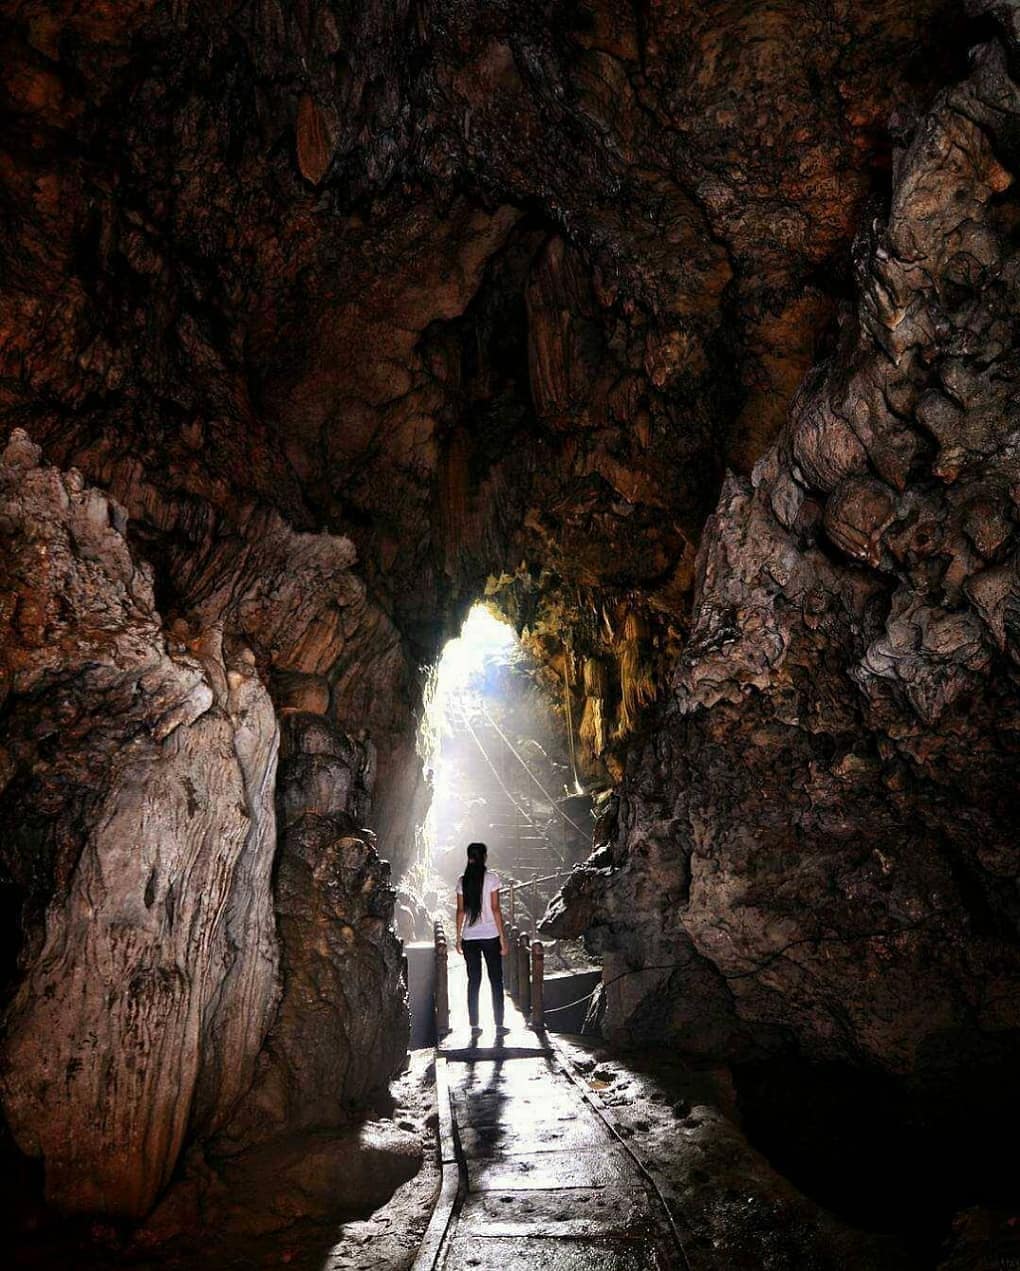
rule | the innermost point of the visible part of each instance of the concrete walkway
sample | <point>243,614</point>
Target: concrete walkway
<point>533,1177</point>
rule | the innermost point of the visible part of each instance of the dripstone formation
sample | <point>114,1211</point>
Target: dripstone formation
<point>826,815</point>
<point>687,335</point>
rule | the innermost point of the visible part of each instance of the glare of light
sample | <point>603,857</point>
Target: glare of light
<point>482,637</point>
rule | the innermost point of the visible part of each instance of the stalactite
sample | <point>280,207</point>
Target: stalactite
<point>638,677</point>
<point>592,729</point>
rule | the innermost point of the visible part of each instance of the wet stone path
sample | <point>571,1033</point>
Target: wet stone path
<point>541,1180</point>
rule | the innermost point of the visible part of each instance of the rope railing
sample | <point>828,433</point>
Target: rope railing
<point>531,882</point>
<point>515,885</point>
<point>555,1010</point>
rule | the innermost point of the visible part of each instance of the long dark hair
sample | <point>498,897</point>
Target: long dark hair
<point>474,876</point>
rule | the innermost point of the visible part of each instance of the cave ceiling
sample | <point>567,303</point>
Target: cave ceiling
<point>475,285</point>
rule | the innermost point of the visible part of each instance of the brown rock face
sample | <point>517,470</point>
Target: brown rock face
<point>149,968</point>
<point>818,845</point>
<point>149,972</point>
<point>341,1029</point>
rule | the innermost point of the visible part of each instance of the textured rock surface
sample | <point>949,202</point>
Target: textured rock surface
<point>236,1213</point>
<point>148,975</point>
<point>342,1028</point>
<point>149,964</point>
<point>470,285</point>
<point>820,841</point>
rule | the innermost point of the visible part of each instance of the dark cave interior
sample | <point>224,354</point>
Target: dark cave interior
<point>684,339</point>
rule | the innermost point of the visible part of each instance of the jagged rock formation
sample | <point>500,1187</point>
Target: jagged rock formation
<point>340,963</point>
<point>820,841</point>
<point>142,853</point>
<point>360,311</point>
<point>141,849</point>
<point>471,288</point>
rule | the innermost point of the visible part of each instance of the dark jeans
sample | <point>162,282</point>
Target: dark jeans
<point>473,952</point>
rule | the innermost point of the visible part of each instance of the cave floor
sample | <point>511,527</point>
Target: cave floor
<point>544,1182</point>
<point>572,1155</point>
<point>736,1212</point>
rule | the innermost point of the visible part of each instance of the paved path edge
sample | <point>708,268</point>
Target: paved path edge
<point>434,1241</point>
<point>452,1188</point>
<point>563,1061</point>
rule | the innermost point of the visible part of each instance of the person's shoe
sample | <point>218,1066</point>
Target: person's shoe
<point>502,1030</point>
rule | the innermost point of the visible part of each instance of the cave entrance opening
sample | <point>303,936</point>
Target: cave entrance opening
<point>499,766</point>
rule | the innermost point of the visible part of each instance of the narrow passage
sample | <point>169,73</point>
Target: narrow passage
<point>542,1183</point>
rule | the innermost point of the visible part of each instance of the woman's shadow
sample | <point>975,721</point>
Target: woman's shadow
<point>481,1096</point>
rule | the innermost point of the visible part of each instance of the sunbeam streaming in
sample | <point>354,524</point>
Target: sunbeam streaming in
<point>496,758</point>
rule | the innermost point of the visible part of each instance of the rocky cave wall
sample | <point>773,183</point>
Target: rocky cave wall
<point>821,839</point>
<point>327,318</point>
<point>155,809</point>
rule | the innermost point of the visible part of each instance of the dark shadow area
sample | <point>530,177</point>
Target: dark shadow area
<point>236,1218</point>
<point>481,1097</point>
<point>885,1156</point>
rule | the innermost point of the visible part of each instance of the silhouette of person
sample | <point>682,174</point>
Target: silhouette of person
<point>480,933</point>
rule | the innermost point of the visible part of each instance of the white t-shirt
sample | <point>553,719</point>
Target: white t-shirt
<point>485,928</point>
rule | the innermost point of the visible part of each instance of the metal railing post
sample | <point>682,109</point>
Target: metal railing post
<point>523,975</point>
<point>511,961</point>
<point>513,903</point>
<point>538,985</point>
<point>442,990</point>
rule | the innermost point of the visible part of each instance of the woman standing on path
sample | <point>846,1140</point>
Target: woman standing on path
<point>480,933</point>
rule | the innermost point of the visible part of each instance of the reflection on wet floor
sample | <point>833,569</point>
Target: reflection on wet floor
<point>544,1182</point>
<point>525,1126</point>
